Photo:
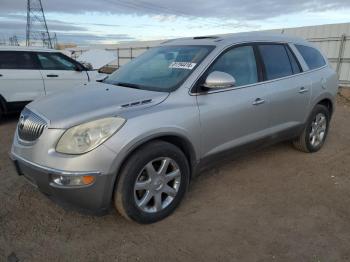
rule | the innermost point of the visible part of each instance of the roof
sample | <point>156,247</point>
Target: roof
<point>223,40</point>
<point>26,48</point>
<point>97,58</point>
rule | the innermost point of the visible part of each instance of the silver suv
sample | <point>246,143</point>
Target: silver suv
<point>138,138</point>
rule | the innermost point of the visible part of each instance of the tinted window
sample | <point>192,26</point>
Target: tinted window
<point>276,61</point>
<point>312,56</point>
<point>295,65</point>
<point>16,60</point>
<point>240,63</point>
<point>54,61</point>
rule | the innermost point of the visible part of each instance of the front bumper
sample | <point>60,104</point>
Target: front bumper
<point>93,198</point>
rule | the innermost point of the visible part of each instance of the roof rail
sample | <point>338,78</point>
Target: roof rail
<point>167,41</point>
<point>205,37</point>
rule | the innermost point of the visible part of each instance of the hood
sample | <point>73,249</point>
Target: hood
<point>96,100</point>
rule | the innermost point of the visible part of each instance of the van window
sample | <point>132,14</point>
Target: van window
<point>17,60</point>
<point>312,56</point>
<point>276,61</point>
<point>240,63</point>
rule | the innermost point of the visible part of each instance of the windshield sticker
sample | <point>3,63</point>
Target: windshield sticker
<point>182,65</point>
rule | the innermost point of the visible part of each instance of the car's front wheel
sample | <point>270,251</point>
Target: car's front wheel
<point>1,113</point>
<point>152,182</point>
<point>315,131</point>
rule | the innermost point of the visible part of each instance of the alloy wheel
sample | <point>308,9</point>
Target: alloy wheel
<point>318,130</point>
<point>157,185</point>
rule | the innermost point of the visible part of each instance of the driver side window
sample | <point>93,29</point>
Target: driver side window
<point>240,63</point>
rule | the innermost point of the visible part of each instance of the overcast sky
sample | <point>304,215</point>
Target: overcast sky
<point>111,21</point>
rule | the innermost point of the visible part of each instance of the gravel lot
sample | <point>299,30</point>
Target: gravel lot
<point>277,204</point>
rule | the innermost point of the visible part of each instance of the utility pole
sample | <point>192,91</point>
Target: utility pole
<point>37,32</point>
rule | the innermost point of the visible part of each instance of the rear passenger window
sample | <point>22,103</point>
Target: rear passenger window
<point>312,56</point>
<point>17,60</point>
<point>240,63</point>
<point>276,61</point>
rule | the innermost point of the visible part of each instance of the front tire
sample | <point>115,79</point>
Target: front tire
<point>152,182</point>
<point>315,131</point>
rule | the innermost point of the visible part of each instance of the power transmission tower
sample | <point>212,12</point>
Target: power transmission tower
<point>13,40</point>
<point>37,32</point>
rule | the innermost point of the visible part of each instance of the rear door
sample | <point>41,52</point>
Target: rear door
<point>288,89</point>
<point>60,73</point>
<point>20,78</point>
<point>234,116</point>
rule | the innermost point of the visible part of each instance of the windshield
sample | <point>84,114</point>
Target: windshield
<point>161,69</point>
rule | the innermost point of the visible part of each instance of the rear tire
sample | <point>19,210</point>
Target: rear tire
<point>315,131</point>
<point>152,182</point>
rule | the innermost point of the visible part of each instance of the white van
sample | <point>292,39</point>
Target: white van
<point>27,73</point>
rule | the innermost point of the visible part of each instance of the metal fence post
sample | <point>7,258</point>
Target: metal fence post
<point>341,54</point>
<point>118,63</point>
<point>131,53</point>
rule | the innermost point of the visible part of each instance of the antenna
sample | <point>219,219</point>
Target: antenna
<point>37,32</point>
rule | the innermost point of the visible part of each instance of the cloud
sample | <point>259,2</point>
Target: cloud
<point>223,9</point>
<point>163,18</point>
<point>198,14</point>
<point>92,38</point>
<point>55,25</point>
<point>67,32</point>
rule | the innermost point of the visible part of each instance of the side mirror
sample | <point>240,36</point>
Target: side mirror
<point>217,79</point>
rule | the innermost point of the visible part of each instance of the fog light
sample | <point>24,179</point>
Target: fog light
<point>72,180</point>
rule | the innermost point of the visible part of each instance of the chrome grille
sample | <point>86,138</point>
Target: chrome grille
<point>30,126</point>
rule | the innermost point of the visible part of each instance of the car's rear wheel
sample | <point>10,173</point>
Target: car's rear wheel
<point>152,182</point>
<point>315,132</point>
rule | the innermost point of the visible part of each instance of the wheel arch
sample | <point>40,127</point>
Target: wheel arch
<point>3,104</point>
<point>327,103</point>
<point>176,139</point>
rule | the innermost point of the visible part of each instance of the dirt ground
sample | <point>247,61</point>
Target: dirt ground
<point>277,204</point>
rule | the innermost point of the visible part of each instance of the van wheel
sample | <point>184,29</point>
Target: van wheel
<point>1,112</point>
<point>152,182</point>
<point>315,132</point>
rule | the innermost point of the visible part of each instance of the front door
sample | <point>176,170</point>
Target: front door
<point>60,73</point>
<point>235,116</point>
<point>20,78</point>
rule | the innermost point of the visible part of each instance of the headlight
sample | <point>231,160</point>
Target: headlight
<point>86,137</point>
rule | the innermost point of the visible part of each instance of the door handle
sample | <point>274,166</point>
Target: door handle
<point>0,75</point>
<point>52,75</point>
<point>303,90</point>
<point>258,101</point>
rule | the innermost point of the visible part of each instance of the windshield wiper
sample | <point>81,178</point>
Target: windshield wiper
<point>127,85</point>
